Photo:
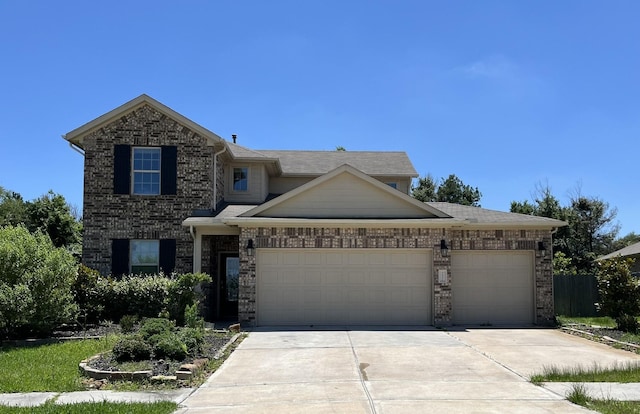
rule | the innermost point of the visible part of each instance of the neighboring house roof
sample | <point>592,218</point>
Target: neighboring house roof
<point>630,250</point>
<point>315,163</point>
<point>483,216</point>
<point>77,135</point>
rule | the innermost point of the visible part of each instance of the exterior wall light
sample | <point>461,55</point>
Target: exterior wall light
<point>444,249</point>
<point>542,248</point>
<point>250,248</point>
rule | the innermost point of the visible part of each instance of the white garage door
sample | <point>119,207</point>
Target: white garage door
<point>491,287</point>
<point>344,286</point>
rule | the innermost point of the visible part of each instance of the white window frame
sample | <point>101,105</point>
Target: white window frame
<point>149,264</point>
<point>134,171</point>
<point>233,179</point>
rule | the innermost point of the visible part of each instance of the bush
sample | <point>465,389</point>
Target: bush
<point>86,294</point>
<point>155,326</point>
<point>36,281</point>
<point>192,317</point>
<point>131,348</point>
<point>627,323</point>
<point>619,291</point>
<point>183,292</point>
<point>128,322</point>
<point>193,338</point>
<point>169,346</point>
<point>146,296</point>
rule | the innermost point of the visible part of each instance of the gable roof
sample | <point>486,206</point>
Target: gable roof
<point>315,163</point>
<point>396,199</point>
<point>484,217</point>
<point>77,135</point>
<point>631,250</point>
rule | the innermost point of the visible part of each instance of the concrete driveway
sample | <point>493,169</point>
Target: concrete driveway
<point>396,370</point>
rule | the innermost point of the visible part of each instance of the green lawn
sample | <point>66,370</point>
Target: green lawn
<point>578,396</point>
<point>95,408</point>
<point>52,367</point>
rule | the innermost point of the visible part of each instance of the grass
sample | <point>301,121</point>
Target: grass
<point>578,395</point>
<point>622,372</point>
<point>95,408</point>
<point>52,367</point>
<point>604,321</point>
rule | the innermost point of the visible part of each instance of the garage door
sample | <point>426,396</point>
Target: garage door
<point>344,286</point>
<point>491,287</point>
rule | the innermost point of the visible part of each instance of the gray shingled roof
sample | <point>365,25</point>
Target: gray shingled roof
<point>376,163</point>
<point>627,251</point>
<point>482,215</point>
<point>240,152</point>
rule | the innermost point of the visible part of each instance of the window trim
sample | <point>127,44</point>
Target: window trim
<point>133,170</point>
<point>233,172</point>
<point>131,265</point>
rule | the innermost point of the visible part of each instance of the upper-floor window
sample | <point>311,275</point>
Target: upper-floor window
<point>146,171</point>
<point>240,179</point>
<point>145,256</point>
<point>393,185</point>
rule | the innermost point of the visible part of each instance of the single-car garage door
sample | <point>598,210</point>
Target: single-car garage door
<point>491,287</point>
<point>344,286</point>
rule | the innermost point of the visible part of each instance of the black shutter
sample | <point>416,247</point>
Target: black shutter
<point>168,169</point>
<point>167,255</point>
<point>119,257</point>
<point>122,169</point>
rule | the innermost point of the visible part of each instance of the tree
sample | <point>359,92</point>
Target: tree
<point>619,290</point>
<point>340,148</point>
<point>591,230</point>
<point>622,242</point>
<point>451,190</point>
<point>12,208</point>
<point>52,214</point>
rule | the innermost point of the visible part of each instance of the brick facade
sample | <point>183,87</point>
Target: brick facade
<point>109,216</point>
<point>342,238</point>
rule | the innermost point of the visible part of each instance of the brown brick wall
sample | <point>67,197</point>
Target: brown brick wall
<point>337,238</point>
<point>109,216</point>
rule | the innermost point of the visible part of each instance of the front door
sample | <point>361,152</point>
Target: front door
<point>228,285</point>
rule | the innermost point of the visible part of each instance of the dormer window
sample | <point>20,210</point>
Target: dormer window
<point>240,179</point>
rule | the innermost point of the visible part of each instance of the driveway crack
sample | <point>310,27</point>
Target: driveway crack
<point>362,374</point>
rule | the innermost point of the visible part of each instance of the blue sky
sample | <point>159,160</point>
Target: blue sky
<point>504,94</point>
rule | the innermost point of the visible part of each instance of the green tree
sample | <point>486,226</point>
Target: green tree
<point>52,214</point>
<point>36,281</point>
<point>622,242</point>
<point>340,148</point>
<point>451,190</point>
<point>13,209</point>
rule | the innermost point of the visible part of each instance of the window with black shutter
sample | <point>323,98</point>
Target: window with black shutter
<point>145,170</point>
<point>167,255</point>
<point>119,257</point>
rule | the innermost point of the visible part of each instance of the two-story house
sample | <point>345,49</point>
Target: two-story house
<point>301,237</point>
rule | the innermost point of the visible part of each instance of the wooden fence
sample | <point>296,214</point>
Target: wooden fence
<point>575,295</point>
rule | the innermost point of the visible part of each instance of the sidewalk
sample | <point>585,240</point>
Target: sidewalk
<point>598,390</point>
<point>30,399</point>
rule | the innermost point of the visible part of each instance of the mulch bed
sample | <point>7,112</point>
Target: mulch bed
<point>608,336</point>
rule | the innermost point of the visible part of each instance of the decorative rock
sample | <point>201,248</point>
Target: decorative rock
<point>234,328</point>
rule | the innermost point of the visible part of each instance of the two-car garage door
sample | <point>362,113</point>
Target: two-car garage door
<point>344,286</point>
<point>390,287</point>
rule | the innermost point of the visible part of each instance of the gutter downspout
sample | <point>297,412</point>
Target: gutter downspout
<point>74,146</point>
<point>214,203</point>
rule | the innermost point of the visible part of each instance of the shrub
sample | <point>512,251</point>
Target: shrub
<point>155,326</point>
<point>192,317</point>
<point>619,291</point>
<point>131,348</point>
<point>169,346</point>
<point>128,322</point>
<point>627,323</point>
<point>86,293</point>
<point>193,338</point>
<point>184,292</point>
<point>36,281</point>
